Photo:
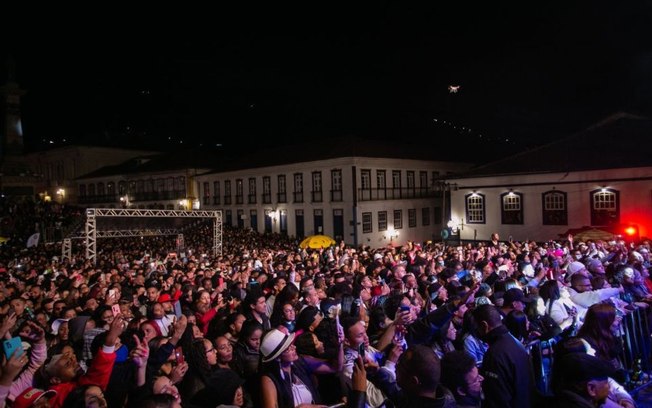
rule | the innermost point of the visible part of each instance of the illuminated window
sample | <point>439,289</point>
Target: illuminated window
<point>475,209</point>
<point>512,208</point>
<point>605,207</point>
<point>554,208</point>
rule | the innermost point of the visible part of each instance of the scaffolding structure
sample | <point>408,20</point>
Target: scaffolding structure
<point>91,232</point>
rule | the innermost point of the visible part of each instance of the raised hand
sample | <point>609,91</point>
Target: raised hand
<point>178,373</point>
<point>140,353</point>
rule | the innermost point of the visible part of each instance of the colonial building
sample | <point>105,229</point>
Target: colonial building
<point>600,177</point>
<point>362,192</point>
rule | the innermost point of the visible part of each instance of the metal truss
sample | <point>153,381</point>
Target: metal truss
<point>66,249</point>
<point>92,234</point>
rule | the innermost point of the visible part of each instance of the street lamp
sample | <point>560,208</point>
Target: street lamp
<point>62,194</point>
<point>392,234</point>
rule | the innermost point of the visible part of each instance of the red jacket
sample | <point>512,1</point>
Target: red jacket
<point>98,374</point>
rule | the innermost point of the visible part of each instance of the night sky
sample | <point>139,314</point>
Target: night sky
<point>528,73</point>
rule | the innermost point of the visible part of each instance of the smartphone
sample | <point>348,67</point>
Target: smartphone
<point>177,309</point>
<point>13,345</point>
<point>178,352</point>
<point>361,349</point>
<point>112,292</point>
<point>405,308</point>
<point>116,310</point>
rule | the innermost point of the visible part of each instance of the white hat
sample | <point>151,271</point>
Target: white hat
<point>56,324</point>
<point>378,256</point>
<point>575,267</point>
<point>274,344</point>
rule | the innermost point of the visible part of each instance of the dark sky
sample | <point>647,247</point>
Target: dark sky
<point>528,72</point>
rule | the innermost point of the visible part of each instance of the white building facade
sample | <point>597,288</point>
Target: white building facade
<point>363,201</point>
<point>544,206</point>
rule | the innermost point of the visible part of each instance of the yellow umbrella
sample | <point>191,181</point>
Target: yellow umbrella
<point>3,240</point>
<point>317,241</point>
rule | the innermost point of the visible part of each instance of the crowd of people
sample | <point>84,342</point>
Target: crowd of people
<point>268,324</point>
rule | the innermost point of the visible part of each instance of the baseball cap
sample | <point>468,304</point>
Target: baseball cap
<point>514,295</point>
<point>28,397</point>
<point>579,367</point>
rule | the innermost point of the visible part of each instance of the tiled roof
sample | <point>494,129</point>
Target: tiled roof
<point>620,141</point>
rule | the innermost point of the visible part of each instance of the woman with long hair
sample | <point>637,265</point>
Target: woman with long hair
<point>558,307</point>
<point>598,329</point>
<point>285,379</point>
<point>201,357</point>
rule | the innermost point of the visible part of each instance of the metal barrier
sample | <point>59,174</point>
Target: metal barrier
<point>637,344</point>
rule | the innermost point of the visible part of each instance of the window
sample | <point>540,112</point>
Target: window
<point>398,219</point>
<point>367,226</point>
<point>412,218</point>
<point>381,179</point>
<point>336,183</point>
<point>110,188</point>
<point>207,193</point>
<point>122,188</point>
<point>437,215</point>
<point>100,189</point>
<point>511,209</point>
<point>365,179</point>
<point>267,190</point>
<point>475,209</point>
<point>252,190</point>
<point>227,192</point>
<point>298,187</point>
<point>410,180</point>
<point>396,179</point>
<point>216,192</point>
<point>554,208</point>
<point>239,194</point>
<point>425,216</point>
<point>253,217</point>
<point>605,207</point>
<point>423,180</point>
<point>382,220</point>
<point>91,190</point>
<point>82,190</point>
<point>316,187</point>
<point>282,192</point>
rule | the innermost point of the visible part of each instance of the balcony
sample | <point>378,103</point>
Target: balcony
<point>282,198</point>
<point>317,196</point>
<point>336,195</point>
<point>379,194</point>
<point>267,198</point>
<point>298,197</point>
<point>239,199</point>
<point>157,195</point>
<point>96,199</point>
<point>252,199</point>
<point>216,200</point>
<point>227,200</point>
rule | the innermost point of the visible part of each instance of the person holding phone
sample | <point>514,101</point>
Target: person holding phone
<point>35,335</point>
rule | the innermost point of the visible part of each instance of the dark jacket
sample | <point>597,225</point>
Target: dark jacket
<point>444,400</point>
<point>569,399</point>
<point>507,371</point>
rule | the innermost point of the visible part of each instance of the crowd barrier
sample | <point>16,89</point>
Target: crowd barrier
<point>636,356</point>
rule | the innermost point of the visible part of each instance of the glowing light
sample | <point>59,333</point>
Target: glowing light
<point>630,231</point>
<point>453,88</point>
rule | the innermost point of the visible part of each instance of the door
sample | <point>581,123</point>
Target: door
<point>284,222</point>
<point>299,222</point>
<point>338,225</point>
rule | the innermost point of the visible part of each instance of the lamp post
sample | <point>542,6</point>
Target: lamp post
<point>392,233</point>
<point>62,195</point>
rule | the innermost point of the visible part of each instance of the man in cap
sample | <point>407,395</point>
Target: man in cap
<point>585,382</point>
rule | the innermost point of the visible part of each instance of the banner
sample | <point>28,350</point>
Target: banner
<point>33,240</point>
